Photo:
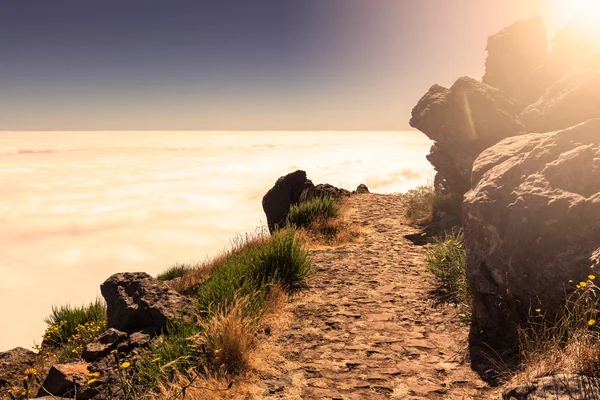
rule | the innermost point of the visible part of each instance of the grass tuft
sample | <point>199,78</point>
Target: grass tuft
<point>319,208</point>
<point>447,261</point>
<point>67,321</point>
<point>174,271</point>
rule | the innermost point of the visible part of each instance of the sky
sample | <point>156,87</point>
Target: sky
<point>240,65</point>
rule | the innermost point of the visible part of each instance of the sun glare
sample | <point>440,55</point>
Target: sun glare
<point>586,20</point>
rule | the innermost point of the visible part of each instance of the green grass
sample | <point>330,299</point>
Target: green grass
<point>447,261</point>
<point>255,265</point>
<point>421,203</point>
<point>65,321</point>
<point>174,271</point>
<point>229,305</point>
<point>303,214</point>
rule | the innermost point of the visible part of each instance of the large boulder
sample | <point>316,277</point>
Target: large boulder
<point>13,363</point>
<point>286,192</point>
<point>532,219</point>
<point>514,55</point>
<point>463,120</point>
<point>322,190</point>
<point>136,301</point>
<point>569,101</point>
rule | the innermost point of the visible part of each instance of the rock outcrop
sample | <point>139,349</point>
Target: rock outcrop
<point>286,192</point>
<point>136,301</point>
<point>571,100</point>
<point>514,55</point>
<point>532,219</point>
<point>292,189</point>
<point>463,120</point>
<point>12,365</point>
<point>361,189</point>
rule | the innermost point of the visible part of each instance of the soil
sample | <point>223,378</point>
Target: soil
<point>367,327</point>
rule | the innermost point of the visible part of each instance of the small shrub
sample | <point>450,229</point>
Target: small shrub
<point>174,271</point>
<point>421,203</point>
<point>303,214</point>
<point>447,261</point>
<point>67,322</point>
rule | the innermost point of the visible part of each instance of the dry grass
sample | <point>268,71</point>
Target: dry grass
<point>421,203</point>
<point>331,231</point>
<point>568,342</point>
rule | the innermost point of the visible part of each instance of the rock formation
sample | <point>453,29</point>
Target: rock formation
<point>532,219</point>
<point>286,192</point>
<point>291,189</point>
<point>569,101</point>
<point>68,380</point>
<point>137,301</point>
<point>514,55</point>
<point>463,120</point>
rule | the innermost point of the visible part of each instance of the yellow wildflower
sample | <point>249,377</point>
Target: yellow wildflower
<point>591,277</point>
<point>578,286</point>
<point>582,284</point>
<point>126,364</point>
<point>91,381</point>
<point>30,371</point>
<point>592,322</point>
<point>424,234</point>
<point>155,360</point>
<point>94,374</point>
<point>538,310</point>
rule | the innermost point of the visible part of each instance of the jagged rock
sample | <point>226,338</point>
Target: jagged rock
<point>514,56</point>
<point>556,387</point>
<point>361,189</point>
<point>463,120</point>
<point>569,101</point>
<point>137,301</point>
<point>532,219</point>
<point>13,363</point>
<point>68,380</point>
<point>101,347</point>
<point>322,190</point>
<point>286,192</point>
<point>136,339</point>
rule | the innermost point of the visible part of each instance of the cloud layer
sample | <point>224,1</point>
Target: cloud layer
<point>76,207</point>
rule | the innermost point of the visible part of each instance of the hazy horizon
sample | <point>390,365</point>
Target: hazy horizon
<point>78,207</point>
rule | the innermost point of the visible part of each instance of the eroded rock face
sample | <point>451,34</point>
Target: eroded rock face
<point>361,189</point>
<point>322,190</point>
<point>514,55</point>
<point>571,100</point>
<point>532,219</point>
<point>136,301</point>
<point>13,364</point>
<point>463,121</point>
<point>286,192</point>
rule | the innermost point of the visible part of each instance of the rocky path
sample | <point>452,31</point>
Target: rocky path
<point>367,328</point>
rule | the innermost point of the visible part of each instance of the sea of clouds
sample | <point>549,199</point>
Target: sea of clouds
<point>76,207</point>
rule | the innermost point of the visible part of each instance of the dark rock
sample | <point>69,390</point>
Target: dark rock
<point>556,387</point>
<point>136,339</point>
<point>286,192</point>
<point>361,189</point>
<point>68,380</point>
<point>13,364</point>
<point>514,55</point>
<point>137,301</point>
<point>463,120</point>
<point>532,219</point>
<point>569,101</point>
<point>322,190</point>
<point>101,347</point>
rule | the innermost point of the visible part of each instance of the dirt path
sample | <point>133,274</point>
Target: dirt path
<point>366,328</point>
